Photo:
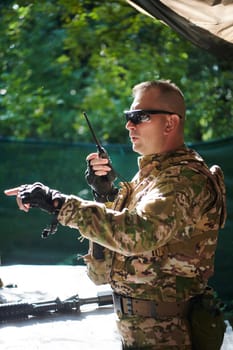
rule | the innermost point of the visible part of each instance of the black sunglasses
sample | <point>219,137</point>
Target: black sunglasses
<point>138,116</point>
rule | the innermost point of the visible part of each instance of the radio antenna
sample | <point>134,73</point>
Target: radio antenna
<point>98,145</point>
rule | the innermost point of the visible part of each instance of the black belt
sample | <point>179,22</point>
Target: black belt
<point>148,308</point>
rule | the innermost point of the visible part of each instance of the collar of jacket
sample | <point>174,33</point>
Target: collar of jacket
<point>161,161</point>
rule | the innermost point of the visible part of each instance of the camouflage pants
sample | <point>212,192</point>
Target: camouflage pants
<point>154,334</point>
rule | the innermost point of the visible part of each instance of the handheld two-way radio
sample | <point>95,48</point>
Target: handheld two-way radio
<point>52,228</point>
<point>97,250</point>
<point>102,152</point>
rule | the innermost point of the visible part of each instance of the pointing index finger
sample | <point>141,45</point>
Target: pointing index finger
<point>12,191</point>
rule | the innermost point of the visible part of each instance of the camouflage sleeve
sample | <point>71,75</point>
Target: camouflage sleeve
<point>171,204</point>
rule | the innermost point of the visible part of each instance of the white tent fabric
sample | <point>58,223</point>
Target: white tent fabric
<point>206,23</point>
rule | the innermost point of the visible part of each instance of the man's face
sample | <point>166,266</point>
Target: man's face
<point>148,137</point>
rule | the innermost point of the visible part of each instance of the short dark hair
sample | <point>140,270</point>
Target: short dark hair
<point>162,85</point>
<point>167,89</point>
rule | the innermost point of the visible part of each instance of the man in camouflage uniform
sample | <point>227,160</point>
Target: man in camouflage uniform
<point>159,234</point>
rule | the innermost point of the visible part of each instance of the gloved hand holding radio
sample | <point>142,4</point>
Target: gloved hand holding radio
<point>100,177</point>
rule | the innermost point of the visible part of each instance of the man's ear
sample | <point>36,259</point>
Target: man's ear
<point>171,123</point>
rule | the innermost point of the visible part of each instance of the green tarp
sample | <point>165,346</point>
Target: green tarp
<point>62,166</point>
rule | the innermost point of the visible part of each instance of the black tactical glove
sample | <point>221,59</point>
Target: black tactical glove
<point>41,196</point>
<point>102,186</point>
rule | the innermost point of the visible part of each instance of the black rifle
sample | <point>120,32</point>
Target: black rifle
<point>22,311</point>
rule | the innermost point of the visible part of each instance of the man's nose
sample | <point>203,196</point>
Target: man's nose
<point>130,125</point>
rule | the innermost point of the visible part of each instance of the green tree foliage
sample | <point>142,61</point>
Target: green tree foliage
<point>60,57</point>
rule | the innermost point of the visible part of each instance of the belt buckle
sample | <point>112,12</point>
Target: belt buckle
<point>118,304</point>
<point>129,304</point>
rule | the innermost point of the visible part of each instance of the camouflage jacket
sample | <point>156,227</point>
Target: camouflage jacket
<point>160,233</point>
